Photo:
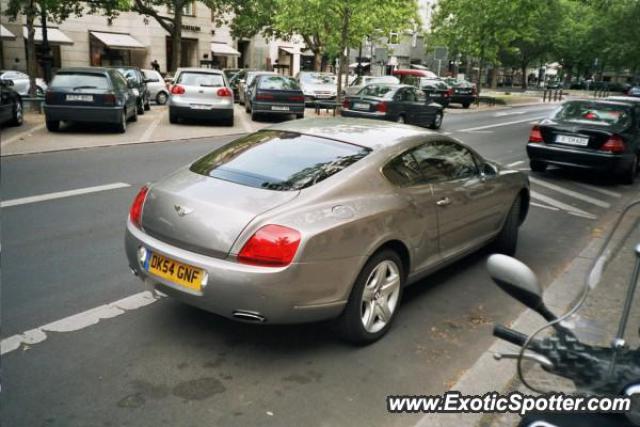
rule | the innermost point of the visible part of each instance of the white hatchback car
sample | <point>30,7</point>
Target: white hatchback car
<point>200,93</point>
<point>156,86</point>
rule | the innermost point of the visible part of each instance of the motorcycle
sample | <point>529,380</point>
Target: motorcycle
<point>612,369</point>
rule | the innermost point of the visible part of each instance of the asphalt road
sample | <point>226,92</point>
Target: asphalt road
<point>170,364</point>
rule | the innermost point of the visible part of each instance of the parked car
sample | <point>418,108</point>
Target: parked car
<point>429,83</point>
<point>200,93</point>
<point>555,84</point>
<point>319,219</point>
<point>275,95</point>
<point>245,83</point>
<point>634,91</point>
<point>11,111</point>
<point>602,135</point>
<point>90,94</point>
<point>138,84</point>
<point>464,92</point>
<point>317,86</point>
<point>234,80</point>
<point>21,83</point>
<point>156,86</point>
<point>397,103</point>
<point>361,81</point>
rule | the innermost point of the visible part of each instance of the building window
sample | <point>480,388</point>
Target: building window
<point>394,38</point>
<point>189,8</point>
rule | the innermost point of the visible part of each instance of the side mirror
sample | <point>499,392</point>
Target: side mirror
<point>488,170</point>
<point>516,279</point>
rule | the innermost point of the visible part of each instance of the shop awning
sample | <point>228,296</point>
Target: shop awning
<point>6,34</point>
<point>288,50</point>
<point>54,36</point>
<point>307,52</point>
<point>223,49</point>
<point>118,40</point>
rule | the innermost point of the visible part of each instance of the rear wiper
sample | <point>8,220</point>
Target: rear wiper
<point>85,87</point>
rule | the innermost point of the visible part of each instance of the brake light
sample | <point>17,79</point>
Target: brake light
<point>264,97</point>
<point>615,144</point>
<point>382,107</point>
<point>135,212</point>
<point>109,99</point>
<point>270,246</point>
<point>449,92</point>
<point>224,91</point>
<point>296,98</point>
<point>345,103</point>
<point>535,135</point>
<point>177,90</point>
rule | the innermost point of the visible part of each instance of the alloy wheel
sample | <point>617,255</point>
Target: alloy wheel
<point>18,113</point>
<point>380,296</point>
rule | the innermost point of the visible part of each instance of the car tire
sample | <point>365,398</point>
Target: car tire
<point>437,121</point>
<point>173,117</point>
<point>39,91</point>
<point>147,105</point>
<point>537,166</point>
<point>362,320</point>
<point>229,121</point>
<point>254,115</point>
<point>507,240</point>
<point>121,127</point>
<point>134,117</point>
<point>466,104</point>
<point>18,114</point>
<point>53,125</point>
<point>161,98</point>
<point>246,108</point>
<point>400,119</point>
<point>300,116</point>
<point>630,175</point>
<point>140,107</point>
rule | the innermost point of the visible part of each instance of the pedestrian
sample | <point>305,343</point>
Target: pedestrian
<point>155,65</point>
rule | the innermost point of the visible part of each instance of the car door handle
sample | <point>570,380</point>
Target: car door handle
<point>444,202</point>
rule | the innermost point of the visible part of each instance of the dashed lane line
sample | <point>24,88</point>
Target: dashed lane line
<point>62,194</point>
<point>495,125</point>
<point>570,193</point>
<point>79,321</point>
<point>21,135</point>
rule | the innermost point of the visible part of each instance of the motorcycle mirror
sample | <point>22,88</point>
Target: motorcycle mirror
<point>516,279</point>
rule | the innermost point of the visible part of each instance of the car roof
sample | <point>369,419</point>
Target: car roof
<point>607,101</point>
<point>96,70</point>
<point>199,70</point>
<point>633,99</point>
<point>374,134</point>
<point>412,72</point>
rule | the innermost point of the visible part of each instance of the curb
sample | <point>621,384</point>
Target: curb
<point>487,374</point>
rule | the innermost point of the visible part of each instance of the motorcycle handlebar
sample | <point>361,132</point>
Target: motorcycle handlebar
<point>509,335</point>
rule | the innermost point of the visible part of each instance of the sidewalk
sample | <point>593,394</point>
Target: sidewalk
<point>603,305</point>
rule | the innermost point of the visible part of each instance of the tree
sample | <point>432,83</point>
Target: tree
<point>54,10</point>
<point>172,21</point>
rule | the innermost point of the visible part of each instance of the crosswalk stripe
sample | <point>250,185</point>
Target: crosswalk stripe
<point>558,204</point>
<point>599,190</point>
<point>570,193</point>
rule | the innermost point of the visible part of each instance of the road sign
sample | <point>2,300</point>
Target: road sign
<point>381,54</point>
<point>440,53</point>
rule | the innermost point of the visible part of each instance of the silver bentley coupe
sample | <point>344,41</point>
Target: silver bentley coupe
<point>321,219</point>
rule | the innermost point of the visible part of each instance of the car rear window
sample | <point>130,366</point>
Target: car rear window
<point>278,160</point>
<point>277,83</point>
<point>200,79</point>
<point>80,81</point>
<point>318,78</point>
<point>376,90</point>
<point>594,113</point>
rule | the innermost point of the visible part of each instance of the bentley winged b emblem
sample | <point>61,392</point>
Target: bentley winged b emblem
<point>182,210</point>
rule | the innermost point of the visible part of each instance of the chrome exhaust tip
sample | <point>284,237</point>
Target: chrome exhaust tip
<point>249,316</point>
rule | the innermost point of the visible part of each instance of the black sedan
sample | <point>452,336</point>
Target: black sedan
<point>602,135</point>
<point>273,94</point>
<point>90,94</point>
<point>437,90</point>
<point>11,111</point>
<point>464,92</point>
<point>394,102</point>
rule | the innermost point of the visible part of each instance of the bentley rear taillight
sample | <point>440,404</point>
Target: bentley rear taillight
<point>135,213</point>
<point>615,144</point>
<point>271,246</point>
<point>535,135</point>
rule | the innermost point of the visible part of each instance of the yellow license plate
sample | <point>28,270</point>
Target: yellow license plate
<point>181,274</point>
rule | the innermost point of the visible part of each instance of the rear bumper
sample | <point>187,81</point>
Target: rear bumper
<point>212,113</point>
<point>462,99</point>
<point>267,107</point>
<point>586,159</point>
<point>300,292</point>
<point>83,114</point>
<point>364,114</point>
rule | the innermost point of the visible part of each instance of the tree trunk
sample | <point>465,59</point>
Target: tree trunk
<point>525,80</point>
<point>176,41</point>
<point>344,38</point>
<point>494,76</point>
<point>32,64</point>
<point>317,61</point>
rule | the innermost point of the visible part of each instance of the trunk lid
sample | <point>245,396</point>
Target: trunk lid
<point>596,135</point>
<point>203,214</point>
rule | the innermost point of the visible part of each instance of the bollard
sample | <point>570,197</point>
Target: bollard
<point>544,96</point>
<point>560,95</point>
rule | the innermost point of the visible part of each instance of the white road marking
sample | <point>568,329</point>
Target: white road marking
<point>570,193</point>
<point>495,125</point>
<point>21,135</point>
<point>244,121</point>
<point>151,128</point>
<point>514,164</point>
<point>79,321</point>
<point>599,190</point>
<point>509,113</point>
<point>558,204</point>
<point>62,194</point>
<point>538,205</point>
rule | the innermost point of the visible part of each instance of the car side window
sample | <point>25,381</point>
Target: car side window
<point>403,170</point>
<point>119,82</point>
<point>441,161</point>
